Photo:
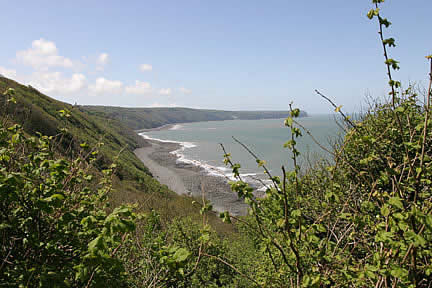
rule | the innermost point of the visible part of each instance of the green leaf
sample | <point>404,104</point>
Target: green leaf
<point>225,216</point>
<point>96,244</point>
<point>55,197</point>
<point>321,228</point>
<point>289,144</point>
<point>205,237</point>
<point>4,226</point>
<point>396,202</point>
<point>385,22</point>
<point>296,213</point>
<point>280,223</point>
<point>399,272</point>
<point>181,255</point>
<point>295,113</point>
<point>389,42</point>
<point>392,63</point>
<point>385,210</point>
<point>400,109</point>
<point>288,122</point>
<point>383,236</point>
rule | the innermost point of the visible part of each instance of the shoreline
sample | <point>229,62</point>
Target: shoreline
<point>188,179</point>
<point>169,126</point>
<point>159,128</point>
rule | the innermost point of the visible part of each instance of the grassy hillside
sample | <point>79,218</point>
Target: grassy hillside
<point>38,113</point>
<point>144,118</point>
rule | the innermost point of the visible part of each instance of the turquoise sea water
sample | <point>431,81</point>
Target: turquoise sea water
<point>200,142</point>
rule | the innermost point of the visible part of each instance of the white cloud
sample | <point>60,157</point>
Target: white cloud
<point>9,73</point>
<point>56,82</point>
<point>140,88</point>
<point>185,91</point>
<point>43,55</point>
<point>102,60</point>
<point>103,85</point>
<point>165,91</point>
<point>146,67</point>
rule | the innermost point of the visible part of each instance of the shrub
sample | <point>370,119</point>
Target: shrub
<point>365,220</point>
<point>55,230</point>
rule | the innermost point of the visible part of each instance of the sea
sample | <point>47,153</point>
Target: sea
<point>200,144</point>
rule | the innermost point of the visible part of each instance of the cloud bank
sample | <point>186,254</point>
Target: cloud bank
<point>58,75</point>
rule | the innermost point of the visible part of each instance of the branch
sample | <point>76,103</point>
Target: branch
<point>256,158</point>
<point>232,267</point>
<point>336,109</point>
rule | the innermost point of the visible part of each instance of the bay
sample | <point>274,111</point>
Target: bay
<point>201,143</point>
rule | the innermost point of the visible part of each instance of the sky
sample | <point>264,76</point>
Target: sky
<point>231,55</point>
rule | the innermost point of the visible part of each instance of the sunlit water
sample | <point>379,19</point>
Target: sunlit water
<point>200,143</point>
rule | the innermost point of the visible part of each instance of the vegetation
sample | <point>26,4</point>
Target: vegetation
<point>144,118</point>
<point>58,228</point>
<point>362,220</point>
<point>77,131</point>
<point>366,219</point>
<point>54,228</point>
<point>39,113</point>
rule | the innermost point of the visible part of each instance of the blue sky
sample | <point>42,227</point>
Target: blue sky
<point>234,55</point>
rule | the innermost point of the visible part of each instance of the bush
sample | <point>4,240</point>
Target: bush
<point>55,231</point>
<point>365,220</point>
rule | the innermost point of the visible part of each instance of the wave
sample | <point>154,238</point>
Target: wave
<point>183,144</point>
<point>218,171</point>
<point>176,127</point>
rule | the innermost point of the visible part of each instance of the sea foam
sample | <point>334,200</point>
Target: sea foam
<point>218,171</point>
<point>176,127</point>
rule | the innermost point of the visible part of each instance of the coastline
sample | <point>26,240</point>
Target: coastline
<point>159,128</point>
<point>188,179</point>
<point>169,126</point>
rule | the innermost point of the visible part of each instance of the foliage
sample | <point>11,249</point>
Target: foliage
<point>364,221</point>
<point>176,256</point>
<point>58,229</point>
<point>38,113</point>
<point>55,230</point>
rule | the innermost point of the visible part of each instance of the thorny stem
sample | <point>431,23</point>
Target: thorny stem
<point>427,115</point>
<point>285,198</point>
<point>257,219</point>
<point>256,158</point>
<point>296,169</point>
<point>232,267</point>
<point>386,58</point>
<point>336,108</point>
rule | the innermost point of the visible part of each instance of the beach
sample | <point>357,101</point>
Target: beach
<point>188,179</point>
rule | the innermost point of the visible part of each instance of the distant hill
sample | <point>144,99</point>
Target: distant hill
<point>145,118</point>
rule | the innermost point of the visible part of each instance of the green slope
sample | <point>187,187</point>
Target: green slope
<point>144,118</point>
<point>38,113</point>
